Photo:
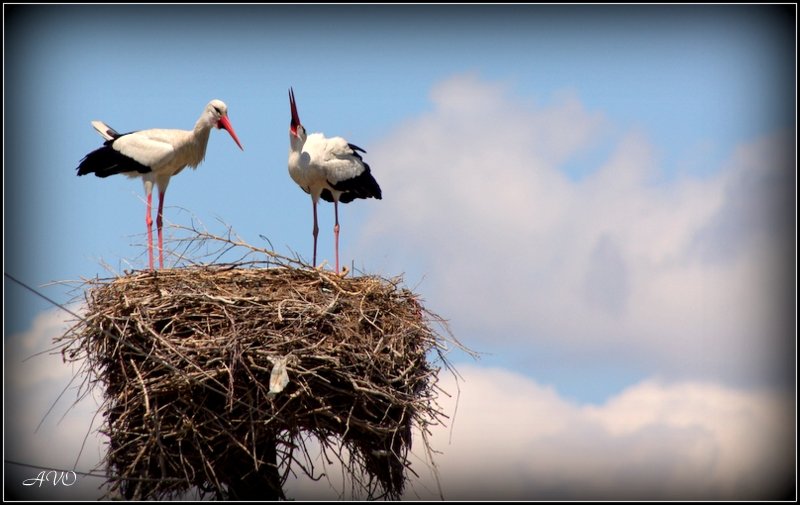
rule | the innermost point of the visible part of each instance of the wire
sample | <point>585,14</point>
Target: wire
<point>40,295</point>
<point>90,474</point>
<point>51,469</point>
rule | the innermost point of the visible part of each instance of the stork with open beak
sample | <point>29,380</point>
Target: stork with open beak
<point>330,168</point>
<point>155,155</point>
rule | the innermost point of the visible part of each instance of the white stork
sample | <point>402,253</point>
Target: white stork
<point>155,155</point>
<point>330,168</point>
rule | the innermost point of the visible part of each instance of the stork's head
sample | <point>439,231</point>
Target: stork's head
<point>218,112</point>
<point>295,128</point>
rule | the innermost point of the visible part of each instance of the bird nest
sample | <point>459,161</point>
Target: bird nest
<point>216,377</point>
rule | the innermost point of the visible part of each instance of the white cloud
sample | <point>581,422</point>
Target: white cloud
<point>511,438</point>
<point>43,423</point>
<point>684,275</point>
<point>515,439</point>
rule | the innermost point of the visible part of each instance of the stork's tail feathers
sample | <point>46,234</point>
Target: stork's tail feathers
<point>361,186</point>
<point>106,131</point>
<point>106,161</point>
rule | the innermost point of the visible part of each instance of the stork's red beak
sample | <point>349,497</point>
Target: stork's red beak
<point>224,123</point>
<point>295,117</point>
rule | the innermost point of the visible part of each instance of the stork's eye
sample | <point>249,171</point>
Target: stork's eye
<point>217,109</point>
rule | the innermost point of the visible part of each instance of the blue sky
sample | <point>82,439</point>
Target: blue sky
<point>595,197</point>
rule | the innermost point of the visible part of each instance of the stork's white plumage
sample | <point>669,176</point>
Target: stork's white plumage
<point>155,155</point>
<point>330,168</point>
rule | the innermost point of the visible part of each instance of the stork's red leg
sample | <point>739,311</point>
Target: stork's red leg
<point>336,232</point>
<point>149,220</point>
<point>159,222</point>
<point>315,232</point>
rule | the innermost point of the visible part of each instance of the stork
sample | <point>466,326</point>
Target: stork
<point>155,155</point>
<point>330,168</point>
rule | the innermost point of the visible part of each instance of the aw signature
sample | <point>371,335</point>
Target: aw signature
<point>64,478</point>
